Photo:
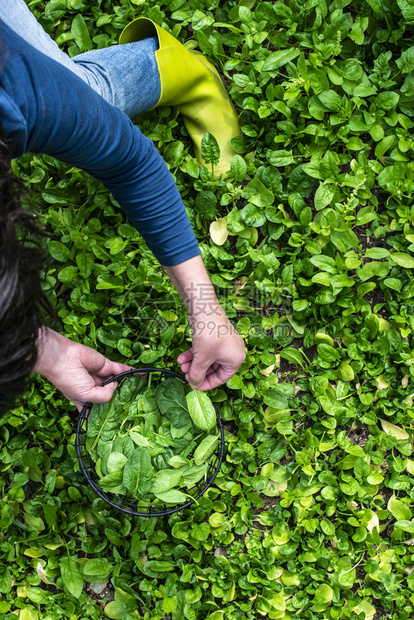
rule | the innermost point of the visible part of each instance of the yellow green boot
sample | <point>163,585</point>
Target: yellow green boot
<point>190,83</point>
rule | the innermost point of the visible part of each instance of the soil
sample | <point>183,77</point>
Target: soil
<point>104,597</point>
<point>48,587</point>
<point>359,434</point>
<point>386,494</point>
<point>30,489</point>
<point>268,503</point>
<point>381,613</point>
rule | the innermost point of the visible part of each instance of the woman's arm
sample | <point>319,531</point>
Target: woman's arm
<point>76,370</point>
<point>218,350</point>
<point>63,117</point>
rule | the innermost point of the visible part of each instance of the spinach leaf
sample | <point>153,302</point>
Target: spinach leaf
<point>161,461</point>
<point>124,445</point>
<point>177,433</point>
<point>171,402</point>
<point>166,479</point>
<point>138,473</point>
<point>103,421</point>
<point>173,496</point>
<point>111,481</point>
<point>177,461</point>
<point>201,410</point>
<point>194,474</point>
<point>205,449</point>
<point>131,387</point>
<point>116,462</point>
<point>139,439</point>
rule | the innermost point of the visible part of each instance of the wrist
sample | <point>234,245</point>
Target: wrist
<point>211,327</point>
<point>50,346</point>
<point>194,286</point>
<point>214,312</point>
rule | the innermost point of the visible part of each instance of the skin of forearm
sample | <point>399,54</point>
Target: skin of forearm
<point>49,344</point>
<point>194,286</point>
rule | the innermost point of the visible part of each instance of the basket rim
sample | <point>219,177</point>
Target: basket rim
<point>82,417</point>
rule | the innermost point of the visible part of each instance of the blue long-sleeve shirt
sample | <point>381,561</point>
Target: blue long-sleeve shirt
<point>45,108</point>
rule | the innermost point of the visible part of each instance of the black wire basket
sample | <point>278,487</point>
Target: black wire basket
<point>126,504</point>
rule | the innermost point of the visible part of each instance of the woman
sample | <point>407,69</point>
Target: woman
<point>66,108</point>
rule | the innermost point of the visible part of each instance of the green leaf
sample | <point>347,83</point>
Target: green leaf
<point>166,479</point>
<point>278,59</point>
<point>346,578</point>
<point>323,196</point>
<point>238,168</point>
<point>280,158</point>
<point>323,594</point>
<point>33,457</point>
<point>327,353</point>
<point>273,398</point>
<point>346,372</point>
<point>403,259</point>
<point>68,274</point>
<point>405,526</point>
<point>331,100</point>
<point>374,268</point>
<point>344,240</point>
<point>201,410</point>
<point>325,263</point>
<point>377,253</point>
<point>192,475</point>
<point>116,462</point>
<point>71,576</point>
<point>109,282</point>
<point>85,263</point>
<point>172,402</point>
<point>205,449</point>
<point>123,605</point>
<point>97,566</point>
<point>103,421</point>
<point>201,20</point>
<point>383,146</point>
<point>252,216</point>
<point>407,9</point>
<point>138,473</point>
<point>393,283</point>
<point>398,509</point>
<point>28,613</point>
<point>6,582</point>
<point>387,100</point>
<point>406,61</point>
<point>293,356</point>
<point>210,150</point>
<point>80,33</point>
<point>59,251</point>
<point>173,496</point>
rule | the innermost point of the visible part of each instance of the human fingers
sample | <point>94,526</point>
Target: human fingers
<point>110,369</point>
<point>185,357</point>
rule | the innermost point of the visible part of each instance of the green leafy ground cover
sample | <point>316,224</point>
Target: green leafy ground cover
<point>311,515</point>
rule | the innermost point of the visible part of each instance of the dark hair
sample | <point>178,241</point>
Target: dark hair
<point>23,304</point>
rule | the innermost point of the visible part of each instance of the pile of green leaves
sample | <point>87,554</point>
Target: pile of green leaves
<point>309,242</point>
<point>148,444</point>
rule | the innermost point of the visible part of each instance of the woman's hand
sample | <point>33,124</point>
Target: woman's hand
<point>216,355</point>
<point>76,370</point>
<point>218,350</point>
